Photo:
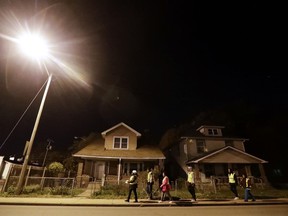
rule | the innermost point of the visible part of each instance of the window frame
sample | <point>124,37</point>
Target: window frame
<point>198,147</point>
<point>213,132</point>
<point>121,142</point>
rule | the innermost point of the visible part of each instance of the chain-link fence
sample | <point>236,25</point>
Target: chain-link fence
<point>42,185</point>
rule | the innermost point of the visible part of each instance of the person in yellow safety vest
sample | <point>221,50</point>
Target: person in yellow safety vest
<point>132,185</point>
<point>232,178</point>
<point>150,182</point>
<point>191,183</point>
<point>246,184</point>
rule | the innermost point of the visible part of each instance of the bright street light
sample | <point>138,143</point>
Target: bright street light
<point>58,55</point>
<point>26,44</point>
<point>33,46</point>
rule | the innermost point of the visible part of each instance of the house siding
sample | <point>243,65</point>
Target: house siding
<point>121,131</point>
<point>239,145</point>
<point>212,145</point>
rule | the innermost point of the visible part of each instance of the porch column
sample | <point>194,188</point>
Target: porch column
<point>79,173</point>
<point>262,173</point>
<point>119,171</point>
<point>248,170</point>
<point>80,168</point>
<point>197,174</point>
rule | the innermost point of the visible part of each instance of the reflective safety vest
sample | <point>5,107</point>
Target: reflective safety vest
<point>150,177</point>
<point>190,177</point>
<point>231,178</point>
<point>133,180</point>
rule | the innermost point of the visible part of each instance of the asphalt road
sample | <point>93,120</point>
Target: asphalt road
<point>255,210</point>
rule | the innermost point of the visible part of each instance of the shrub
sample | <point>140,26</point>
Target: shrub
<point>61,190</point>
<point>11,190</point>
<point>55,168</point>
<point>31,189</point>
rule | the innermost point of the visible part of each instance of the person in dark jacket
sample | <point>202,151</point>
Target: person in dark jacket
<point>132,186</point>
<point>246,184</point>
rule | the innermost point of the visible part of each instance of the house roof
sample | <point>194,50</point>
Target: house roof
<point>96,150</point>
<point>194,132</point>
<point>209,126</point>
<point>227,154</point>
<point>118,125</point>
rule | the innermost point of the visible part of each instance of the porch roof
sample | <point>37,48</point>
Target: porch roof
<point>97,150</point>
<point>227,154</point>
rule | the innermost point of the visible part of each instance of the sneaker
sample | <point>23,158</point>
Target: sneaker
<point>253,200</point>
<point>236,198</point>
<point>160,201</point>
<point>136,201</point>
<point>126,200</point>
<point>170,202</point>
<point>193,200</point>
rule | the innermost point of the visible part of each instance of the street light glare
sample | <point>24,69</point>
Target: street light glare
<point>34,46</point>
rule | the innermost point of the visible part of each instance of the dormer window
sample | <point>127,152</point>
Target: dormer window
<point>120,143</point>
<point>213,132</point>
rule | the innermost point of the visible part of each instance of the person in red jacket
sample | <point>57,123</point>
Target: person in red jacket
<point>165,188</point>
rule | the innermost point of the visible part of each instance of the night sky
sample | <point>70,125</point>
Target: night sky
<point>150,64</point>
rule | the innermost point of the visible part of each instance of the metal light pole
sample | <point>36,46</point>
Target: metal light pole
<point>30,144</point>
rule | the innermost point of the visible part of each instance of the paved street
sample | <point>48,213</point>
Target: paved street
<point>264,210</point>
<point>78,201</point>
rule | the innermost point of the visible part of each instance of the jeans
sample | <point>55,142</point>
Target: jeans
<point>248,195</point>
<point>150,189</point>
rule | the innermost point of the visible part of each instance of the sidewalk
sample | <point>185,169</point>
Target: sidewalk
<point>76,201</point>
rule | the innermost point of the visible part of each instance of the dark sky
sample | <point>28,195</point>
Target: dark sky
<point>149,64</point>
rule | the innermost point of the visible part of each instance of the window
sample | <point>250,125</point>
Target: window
<point>212,132</point>
<point>201,146</point>
<point>120,143</point>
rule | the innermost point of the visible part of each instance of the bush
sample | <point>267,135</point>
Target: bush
<point>61,190</point>
<point>55,168</point>
<point>11,190</point>
<point>31,189</point>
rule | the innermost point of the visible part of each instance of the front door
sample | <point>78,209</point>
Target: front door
<point>99,170</point>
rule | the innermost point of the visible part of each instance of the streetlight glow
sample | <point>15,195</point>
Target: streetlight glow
<point>49,56</point>
<point>33,46</point>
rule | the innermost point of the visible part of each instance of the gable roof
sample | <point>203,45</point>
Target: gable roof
<point>118,125</point>
<point>227,154</point>
<point>95,149</point>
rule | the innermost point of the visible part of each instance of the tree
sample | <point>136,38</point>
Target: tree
<point>55,168</point>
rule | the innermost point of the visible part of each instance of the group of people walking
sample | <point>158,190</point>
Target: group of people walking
<point>165,187</point>
<point>245,183</point>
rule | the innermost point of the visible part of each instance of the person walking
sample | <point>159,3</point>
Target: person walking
<point>150,182</point>
<point>191,183</point>
<point>232,178</point>
<point>165,188</point>
<point>246,184</point>
<point>132,185</point>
